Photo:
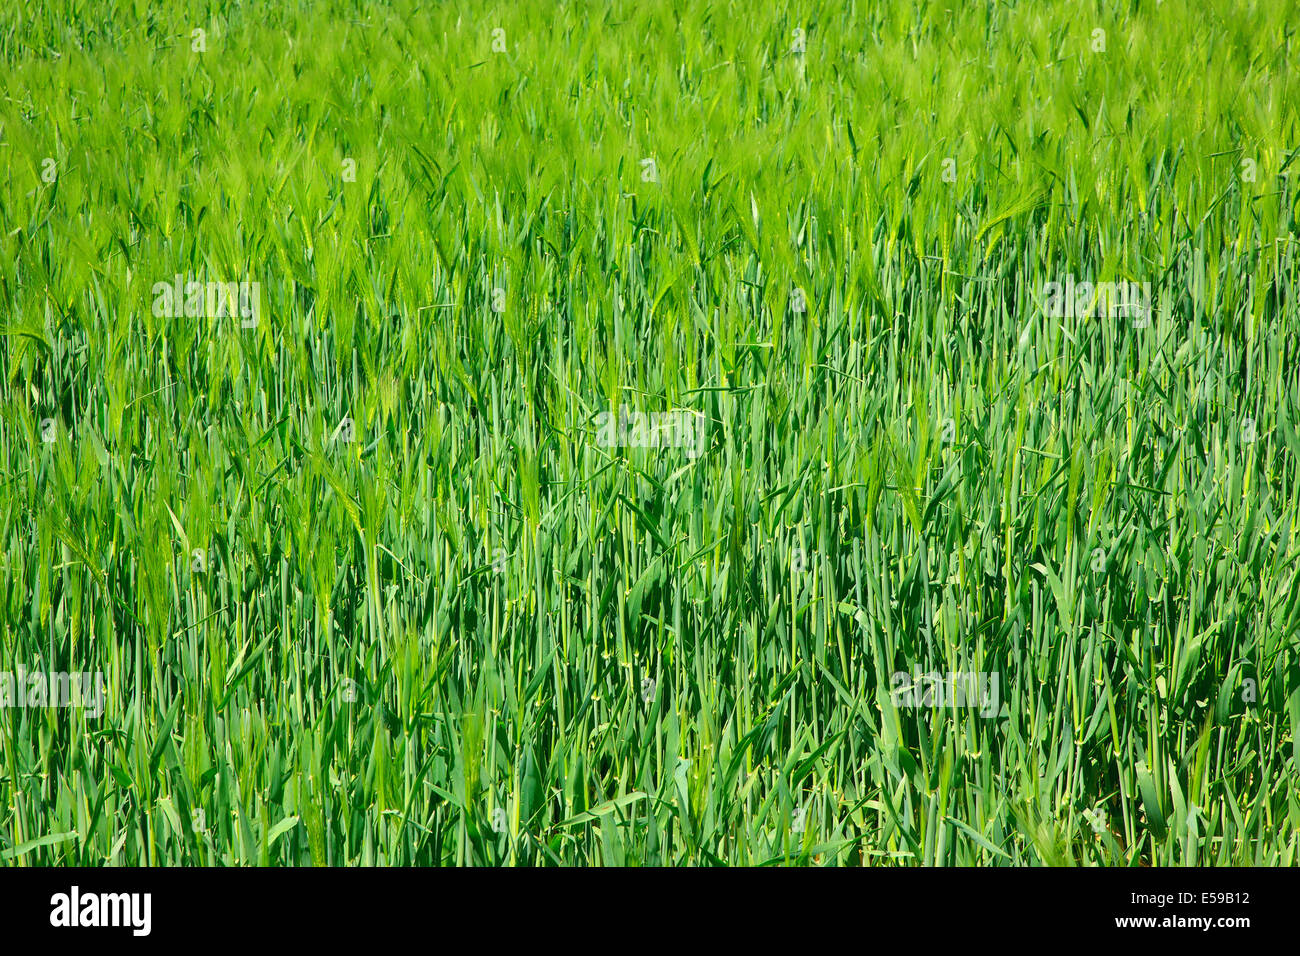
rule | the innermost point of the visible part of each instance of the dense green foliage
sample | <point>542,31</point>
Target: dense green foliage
<point>838,256</point>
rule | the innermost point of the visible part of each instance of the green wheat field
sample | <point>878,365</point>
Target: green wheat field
<point>363,567</point>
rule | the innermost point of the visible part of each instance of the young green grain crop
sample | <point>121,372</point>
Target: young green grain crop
<point>362,575</point>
